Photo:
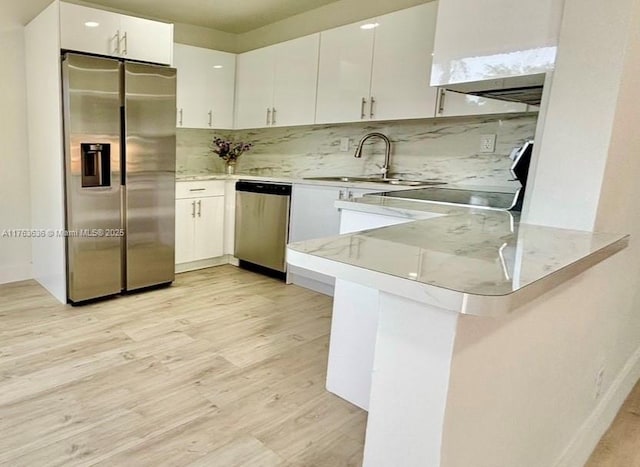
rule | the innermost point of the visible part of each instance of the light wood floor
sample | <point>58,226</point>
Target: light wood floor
<point>225,368</point>
<point>620,446</point>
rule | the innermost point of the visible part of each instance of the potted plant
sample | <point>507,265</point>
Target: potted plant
<point>230,151</point>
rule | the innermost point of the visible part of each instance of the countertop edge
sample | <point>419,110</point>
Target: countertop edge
<point>451,300</point>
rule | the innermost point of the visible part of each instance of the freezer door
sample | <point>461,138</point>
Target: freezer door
<point>150,162</point>
<point>91,106</point>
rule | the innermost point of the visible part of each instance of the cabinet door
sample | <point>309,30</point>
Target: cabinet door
<point>454,103</point>
<point>254,88</point>
<point>209,232</point>
<point>295,81</point>
<point>402,64</point>
<point>146,40</point>
<point>191,85</point>
<point>205,89</point>
<point>344,74</point>
<point>220,82</point>
<point>313,214</point>
<point>88,29</point>
<point>185,221</point>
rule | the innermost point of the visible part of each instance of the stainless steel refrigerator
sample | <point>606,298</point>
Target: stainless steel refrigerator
<point>119,125</point>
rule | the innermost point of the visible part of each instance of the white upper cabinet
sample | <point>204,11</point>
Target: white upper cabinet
<point>378,69</point>
<point>254,88</point>
<point>452,103</point>
<point>101,32</point>
<point>89,30</point>
<point>494,39</point>
<point>295,81</point>
<point>143,39</point>
<point>205,88</point>
<point>402,64</point>
<point>276,85</point>
<point>344,75</point>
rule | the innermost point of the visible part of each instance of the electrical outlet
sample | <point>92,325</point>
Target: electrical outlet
<point>599,383</point>
<point>344,144</point>
<point>487,143</point>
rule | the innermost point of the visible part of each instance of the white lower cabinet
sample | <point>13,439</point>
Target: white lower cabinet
<point>314,215</point>
<point>200,221</point>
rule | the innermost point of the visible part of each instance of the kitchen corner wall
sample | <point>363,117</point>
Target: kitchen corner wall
<point>445,148</point>
<point>15,253</point>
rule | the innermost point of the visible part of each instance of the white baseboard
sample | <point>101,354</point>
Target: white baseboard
<point>15,273</point>
<point>311,284</point>
<point>206,263</point>
<point>584,442</point>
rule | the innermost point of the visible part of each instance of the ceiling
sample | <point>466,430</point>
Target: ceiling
<point>234,16</point>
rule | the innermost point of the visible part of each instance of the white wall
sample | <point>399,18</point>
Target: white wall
<point>15,254</point>
<point>579,119</point>
<point>586,178</point>
<point>42,51</point>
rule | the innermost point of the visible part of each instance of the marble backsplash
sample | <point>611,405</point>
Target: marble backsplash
<point>446,149</point>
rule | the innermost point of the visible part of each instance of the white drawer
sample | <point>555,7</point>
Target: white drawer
<point>199,189</point>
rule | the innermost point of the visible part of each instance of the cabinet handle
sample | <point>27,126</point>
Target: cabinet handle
<point>441,101</point>
<point>273,116</point>
<point>350,195</point>
<point>210,117</point>
<point>371,112</point>
<point>123,39</point>
<point>199,208</point>
<point>268,116</point>
<point>116,39</point>
<point>193,209</point>
<point>180,120</point>
<point>362,105</point>
<point>197,189</point>
<point>341,194</point>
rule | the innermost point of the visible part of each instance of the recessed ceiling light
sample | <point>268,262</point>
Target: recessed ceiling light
<point>92,24</point>
<point>369,26</point>
<point>217,67</point>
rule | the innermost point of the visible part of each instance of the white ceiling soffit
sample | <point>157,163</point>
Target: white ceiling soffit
<point>234,16</point>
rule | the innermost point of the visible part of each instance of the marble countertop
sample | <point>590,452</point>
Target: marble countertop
<point>373,185</point>
<point>471,253</point>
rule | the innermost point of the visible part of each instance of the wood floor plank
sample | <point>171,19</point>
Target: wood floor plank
<point>182,375</point>
<point>225,367</point>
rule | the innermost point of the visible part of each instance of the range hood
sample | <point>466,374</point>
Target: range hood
<point>524,89</point>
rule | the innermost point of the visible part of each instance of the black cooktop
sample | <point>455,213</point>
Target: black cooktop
<point>500,200</point>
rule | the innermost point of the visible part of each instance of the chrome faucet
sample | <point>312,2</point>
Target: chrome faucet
<point>387,154</point>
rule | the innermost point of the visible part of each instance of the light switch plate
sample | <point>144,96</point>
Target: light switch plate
<point>487,143</point>
<point>344,144</point>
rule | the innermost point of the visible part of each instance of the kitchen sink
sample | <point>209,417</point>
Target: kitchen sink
<point>387,181</point>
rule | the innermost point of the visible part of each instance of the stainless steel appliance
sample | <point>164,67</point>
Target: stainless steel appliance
<point>119,133</point>
<point>501,199</point>
<point>262,224</point>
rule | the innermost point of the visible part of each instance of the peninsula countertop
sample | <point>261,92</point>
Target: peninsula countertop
<point>474,261</point>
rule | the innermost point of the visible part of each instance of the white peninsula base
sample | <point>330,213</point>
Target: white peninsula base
<point>453,331</point>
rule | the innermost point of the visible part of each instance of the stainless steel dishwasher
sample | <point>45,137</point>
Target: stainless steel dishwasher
<point>262,225</point>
